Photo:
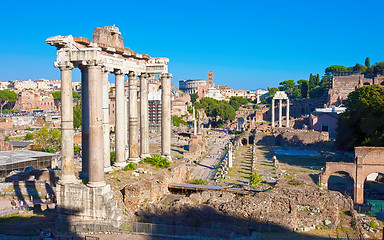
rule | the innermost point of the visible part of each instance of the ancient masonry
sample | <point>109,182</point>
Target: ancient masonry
<point>105,54</point>
<point>280,95</point>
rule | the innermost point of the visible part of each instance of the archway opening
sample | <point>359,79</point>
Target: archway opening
<point>366,84</point>
<point>244,141</point>
<point>382,83</point>
<point>341,182</point>
<point>374,187</point>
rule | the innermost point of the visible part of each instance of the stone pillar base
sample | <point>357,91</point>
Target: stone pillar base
<point>133,160</point>
<point>80,204</point>
<point>167,157</point>
<point>120,165</point>
<point>68,179</point>
<point>143,156</point>
<point>96,184</point>
<point>108,169</point>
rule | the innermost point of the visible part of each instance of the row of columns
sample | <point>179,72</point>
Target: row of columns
<point>280,113</point>
<point>95,121</point>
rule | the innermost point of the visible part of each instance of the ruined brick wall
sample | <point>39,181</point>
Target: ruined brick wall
<point>300,137</point>
<point>369,155</point>
<point>5,146</point>
<point>343,85</point>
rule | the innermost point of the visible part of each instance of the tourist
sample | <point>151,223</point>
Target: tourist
<point>13,203</point>
<point>41,237</point>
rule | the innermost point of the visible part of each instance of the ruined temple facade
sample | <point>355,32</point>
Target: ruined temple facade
<point>104,55</point>
<point>342,85</point>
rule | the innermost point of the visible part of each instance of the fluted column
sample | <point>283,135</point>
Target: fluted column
<point>194,122</point>
<point>280,112</point>
<point>273,113</point>
<point>287,113</point>
<point>144,118</point>
<point>166,115</point>
<point>119,120</point>
<point>67,154</point>
<point>133,119</point>
<point>106,129</point>
<point>84,123</point>
<point>96,148</point>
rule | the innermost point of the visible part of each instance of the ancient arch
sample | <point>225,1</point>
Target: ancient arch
<point>382,83</point>
<point>367,160</point>
<point>366,84</point>
<point>244,141</point>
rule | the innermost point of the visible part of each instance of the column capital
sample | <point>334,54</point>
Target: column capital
<point>118,72</point>
<point>64,65</point>
<point>144,75</point>
<point>166,75</point>
<point>131,75</point>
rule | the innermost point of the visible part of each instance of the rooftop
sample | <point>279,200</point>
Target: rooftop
<point>11,157</point>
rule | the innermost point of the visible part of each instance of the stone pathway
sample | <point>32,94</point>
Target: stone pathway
<point>242,166</point>
<point>264,165</point>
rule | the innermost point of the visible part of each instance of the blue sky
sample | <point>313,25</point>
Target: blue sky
<point>247,44</point>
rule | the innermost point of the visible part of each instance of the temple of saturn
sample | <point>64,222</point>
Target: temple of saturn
<point>105,54</point>
<point>280,95</point>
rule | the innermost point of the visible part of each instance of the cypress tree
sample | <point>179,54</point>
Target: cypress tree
<point>367,62</point>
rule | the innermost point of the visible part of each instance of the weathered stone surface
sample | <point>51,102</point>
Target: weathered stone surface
<point>152,189</point>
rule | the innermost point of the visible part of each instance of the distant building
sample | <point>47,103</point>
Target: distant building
<point>25,85</point>
<point>20,160</point>
<point>154,110</point>
<point>215,94</point>
<point>191,86</point>
<point>326,119</point>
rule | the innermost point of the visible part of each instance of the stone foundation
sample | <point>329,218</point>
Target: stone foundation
<point>80,203</point>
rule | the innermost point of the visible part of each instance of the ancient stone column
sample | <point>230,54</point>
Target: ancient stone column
<point>230,155</point>
<point>166,115</point>
<point>194,122</point>
<point>119,120</point>
<point>280,111</point>
<point>144,118</point>
<point>287,113</point>
<point>96,143</point>
<point>106,129</point>
<point>133,119</point>
<point>84,123</point>
<point>273,113</point>
<point>67,162</point>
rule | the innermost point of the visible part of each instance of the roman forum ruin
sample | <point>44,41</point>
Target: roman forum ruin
<point>280,95</point>
<point>106,54</point>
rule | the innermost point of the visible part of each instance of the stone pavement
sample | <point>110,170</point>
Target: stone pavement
<point>240,173</point>
<point>264,164</point>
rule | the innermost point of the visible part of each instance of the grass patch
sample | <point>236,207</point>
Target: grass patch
<point>199,181</point>
<point>158,161</point>
<point>130,167</point>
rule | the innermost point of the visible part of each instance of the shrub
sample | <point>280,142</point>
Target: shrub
<point>7,138</point>
<point>199,181</point>
<point>158,161</point>
<point>130,167</point>
<point>28,136</point>
<point>112,157</point>
<point>49,149</point>
<point>76,149</point>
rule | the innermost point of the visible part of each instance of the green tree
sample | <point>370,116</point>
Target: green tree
<point>378,68</point>
<point>47,136</point>
<point>236,102</point>
<point>363,121</point>
<point>367,62</point>
<point>194,97</point>
<point>77,116</point>
<point>304,86</point>
<point>7,96</point>
<point>57,94</point>
<point>76,149</point>
<point>336,68</point>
